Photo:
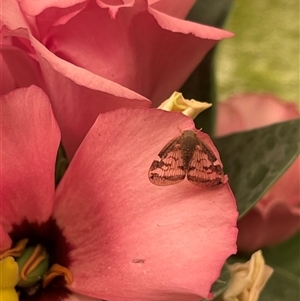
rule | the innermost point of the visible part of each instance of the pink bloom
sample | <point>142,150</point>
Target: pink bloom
<point>276,216</point>
<point>120,236</point>
<point>92,57</point>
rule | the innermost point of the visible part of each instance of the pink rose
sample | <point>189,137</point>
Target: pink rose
<point>121,237</point>
<point>92,57</point>
<point>275,217</point>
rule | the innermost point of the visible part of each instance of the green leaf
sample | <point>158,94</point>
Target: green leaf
<point>201,84</point>
<point>61,164</point>
<point>285,255</point>
<point>255,159</point>
<point>282,286</point>
<point>210,12</point>
<point>222,282</point>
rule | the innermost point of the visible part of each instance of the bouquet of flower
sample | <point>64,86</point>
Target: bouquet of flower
<point>122,176</point>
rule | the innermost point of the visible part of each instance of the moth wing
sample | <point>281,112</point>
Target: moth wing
<point>168,169</point>
<point>204,167</point>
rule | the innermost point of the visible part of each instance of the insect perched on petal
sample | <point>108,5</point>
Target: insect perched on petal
<point>186,155</point>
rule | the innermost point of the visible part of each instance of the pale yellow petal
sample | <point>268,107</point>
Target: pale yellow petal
<point>176,102</point>
<point>9,277</point>
<point>247,279</point>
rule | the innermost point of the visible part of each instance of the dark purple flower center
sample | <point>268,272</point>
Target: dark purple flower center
<point>50,237</point>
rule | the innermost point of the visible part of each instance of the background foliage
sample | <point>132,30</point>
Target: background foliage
<point>264,54</point>
<point>263,57</point>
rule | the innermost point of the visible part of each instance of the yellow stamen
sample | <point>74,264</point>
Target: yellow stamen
<point>57,270</point>
<point>37,256</point>
<point>15,251</point>
<point>9,276</point>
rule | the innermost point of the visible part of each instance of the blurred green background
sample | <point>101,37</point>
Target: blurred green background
<point>264,54</point>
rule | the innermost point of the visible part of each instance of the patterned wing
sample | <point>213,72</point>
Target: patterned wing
<point>168,169</point>
<point>204,167</point>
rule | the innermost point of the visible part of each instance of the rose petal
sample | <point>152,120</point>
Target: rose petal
<point>5,240</point>
<point>260,228</point>
<point>133,240</point>
<point>113,6</point>
<point>7,81</point>
<point>229,119</point>
<point>11,15</point>
<point>20,70</point>
<point>30,139</point>
<point>33,7</point>
<point>55,16</point>
<point>287,187</point>
<point>77,95</point>
<point>245,105</point>
<point>174,8</point>
<point>72,41</point>
<point>178,9</point>
<point>74,91</point>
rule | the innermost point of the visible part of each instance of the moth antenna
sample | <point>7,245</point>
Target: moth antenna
<point>182,131</point>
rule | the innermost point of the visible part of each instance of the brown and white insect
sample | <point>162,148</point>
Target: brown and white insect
<point>186,155</point>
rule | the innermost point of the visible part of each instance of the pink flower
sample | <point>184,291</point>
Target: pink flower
<point>276,216</point>
<point>121,237</point>
<point>92,57</point>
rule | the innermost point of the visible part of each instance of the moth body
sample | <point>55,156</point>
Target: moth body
<point>188,144</point>
<point>186,156</point>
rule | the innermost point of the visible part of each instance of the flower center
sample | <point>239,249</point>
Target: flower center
<point>33,267</point>
<point>41,259</point>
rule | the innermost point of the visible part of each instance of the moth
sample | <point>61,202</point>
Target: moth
<point>186,156</point>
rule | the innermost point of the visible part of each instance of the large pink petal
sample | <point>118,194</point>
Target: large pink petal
<point>30,139</point>
<point>8,82</point>
<point>178,8</point>
<point>18,69</point>
<point>133,240</point>
<point>229,119</point>
<point>53,13</point>
<point>33,7</point>
<point>81,94</point>
<point>287,187</point>
<point>260,228</point>
<point>237,113</point>
<point>77,95</point>
<point>140,48</point>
